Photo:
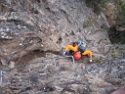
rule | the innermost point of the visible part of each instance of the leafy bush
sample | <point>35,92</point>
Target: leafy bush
<point>96,5</point>
<point>121,12</point>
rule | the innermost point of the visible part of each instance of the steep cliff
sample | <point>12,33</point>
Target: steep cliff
<point>33,34</point>
<point>28,26</point>
<point>47,76</point>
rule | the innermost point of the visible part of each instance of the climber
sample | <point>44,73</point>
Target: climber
<point>78,48</point>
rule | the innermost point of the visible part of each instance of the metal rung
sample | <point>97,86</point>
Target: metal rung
<point>56,58</point>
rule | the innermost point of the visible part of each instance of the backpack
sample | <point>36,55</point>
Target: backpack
<point>82,46</point>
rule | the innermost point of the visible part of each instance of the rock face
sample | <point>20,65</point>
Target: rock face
<point>111,13</point>
<point>30,26</point>
<point>62,76</point>
<point>117,29</point>
<point>32,35</point>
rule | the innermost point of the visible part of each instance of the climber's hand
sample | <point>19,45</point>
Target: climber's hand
<point>90,60</point>
<point>64,53</point>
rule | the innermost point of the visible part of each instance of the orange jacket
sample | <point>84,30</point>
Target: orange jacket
<point>75,49</point>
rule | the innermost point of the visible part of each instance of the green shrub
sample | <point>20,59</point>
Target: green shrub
<point>121,12</point>
<point>96,5</point>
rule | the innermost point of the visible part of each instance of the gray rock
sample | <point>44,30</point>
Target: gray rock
<point>32,35</point>
<point>104,78</point>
